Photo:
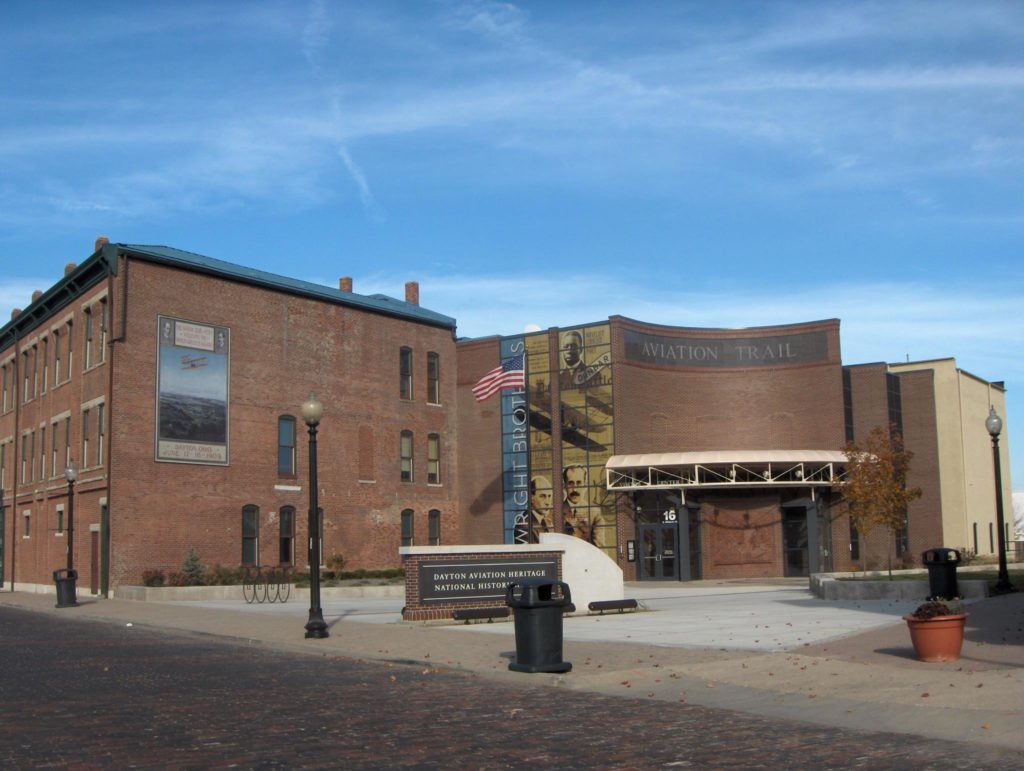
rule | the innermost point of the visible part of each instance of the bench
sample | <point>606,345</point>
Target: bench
<point>620,605</point>
<point>479,614</point>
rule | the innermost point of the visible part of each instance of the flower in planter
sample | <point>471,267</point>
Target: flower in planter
<point>937,607</point>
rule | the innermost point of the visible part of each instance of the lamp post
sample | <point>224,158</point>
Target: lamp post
<point>312,410</point>
<point>66,589</point>
<point>994,424</point>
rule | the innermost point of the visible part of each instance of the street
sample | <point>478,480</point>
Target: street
<point>79,693</point>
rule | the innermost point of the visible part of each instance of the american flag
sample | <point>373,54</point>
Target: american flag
<point>509,375</point>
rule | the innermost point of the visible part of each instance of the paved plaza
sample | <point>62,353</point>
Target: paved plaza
<point>772,650</point>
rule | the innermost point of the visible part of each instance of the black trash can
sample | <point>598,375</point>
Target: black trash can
<point>537,605</point>
<point>66,591</point>
<point>941,564</point>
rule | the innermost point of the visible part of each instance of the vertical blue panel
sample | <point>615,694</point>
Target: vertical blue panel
<point>515,475</point>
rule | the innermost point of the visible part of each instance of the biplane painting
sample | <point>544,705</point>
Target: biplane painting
<point>192,392</point>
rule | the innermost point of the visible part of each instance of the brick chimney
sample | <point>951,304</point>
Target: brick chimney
<point>69,268</point>
<point>15,312</point>
<point>37,294</point>
<point>101,241</point>
<point>345,283</point>
<point>412,292</point>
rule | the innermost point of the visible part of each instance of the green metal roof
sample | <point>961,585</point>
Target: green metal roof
<point>98,264</point>
<point>377,303</point>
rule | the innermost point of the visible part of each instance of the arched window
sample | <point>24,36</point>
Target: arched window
<point>286,445</point>
<point>433,459</point>
<point>286,539</point>
<point>434,527</point>
<point>407,527</point>
<point>405,373</point>
<point>433,378</point>
<point>405,453</point>
<point>250,534</point>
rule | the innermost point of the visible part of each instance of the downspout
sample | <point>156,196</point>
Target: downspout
<point>14,471</point>
<point>111,255</point>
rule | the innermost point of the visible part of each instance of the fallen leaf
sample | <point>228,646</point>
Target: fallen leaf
<point>925,695</point>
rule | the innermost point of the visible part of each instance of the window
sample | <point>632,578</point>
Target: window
<point>3,469</point>
<point>35,371</point>
<point>53,449</point>
<point>250,534</point>
<point>24,382</point>
<point>3,400</point>
<point>60,519</point>
<point>286,541</point>
<point>28,524</point>
<point>286,445</point>
<point>67,441</point>
<point>32,456</point>
<point>407,523</point>
<point>103,330</point>
<point>85,438</point>
<point>433,459</point>
<point>405,373</point>
<point>902,539</point>
<point>46,362</point>
<point>24,458</point>
<point>87,350</point>
<point>42,452</point>
<point>99,433</point>
<point>433,378</point>
<point>434,528</point>
<point>56,357</point>
<point>405,451</point>
<point>69,336</point>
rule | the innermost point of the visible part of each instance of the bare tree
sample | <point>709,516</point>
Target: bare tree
<point>875,483</point>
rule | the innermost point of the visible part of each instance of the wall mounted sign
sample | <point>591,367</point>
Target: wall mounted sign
<point>192,392</point>
<point>723,353</point>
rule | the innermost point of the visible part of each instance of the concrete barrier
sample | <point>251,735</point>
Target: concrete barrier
<point>875,585</point>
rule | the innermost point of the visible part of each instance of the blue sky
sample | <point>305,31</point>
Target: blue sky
<point>546,163</point>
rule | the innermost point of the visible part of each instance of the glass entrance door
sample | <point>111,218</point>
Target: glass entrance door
<point>659,552</point>
<point>794,536</point>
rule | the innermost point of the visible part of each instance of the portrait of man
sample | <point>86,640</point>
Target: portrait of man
<point>576,516</point>
<point>539,519</point>
<point>573,365</point>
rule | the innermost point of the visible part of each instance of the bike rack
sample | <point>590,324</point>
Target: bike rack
<point>270,585</point>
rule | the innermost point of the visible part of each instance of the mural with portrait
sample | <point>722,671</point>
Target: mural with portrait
<point>192,392</point>
<point>587,433</point>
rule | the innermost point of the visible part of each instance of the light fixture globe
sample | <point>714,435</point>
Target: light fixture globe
<point>70,474</point>
<point>993,422</point>
<point>312,410</point>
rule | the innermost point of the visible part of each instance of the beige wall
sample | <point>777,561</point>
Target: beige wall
<point>965,453</point>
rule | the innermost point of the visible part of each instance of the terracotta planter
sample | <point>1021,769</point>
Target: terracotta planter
<point>939,638</point>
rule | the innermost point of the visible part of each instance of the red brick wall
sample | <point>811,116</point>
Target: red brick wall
<point>34,558</point>
<point>742,536</point>
<point>480,491</point>
<point>282,348</point>
<point>675,409</point>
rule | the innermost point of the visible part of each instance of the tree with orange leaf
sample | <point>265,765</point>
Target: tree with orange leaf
<point>875,483</point>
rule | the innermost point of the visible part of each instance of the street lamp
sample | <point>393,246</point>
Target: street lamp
<point>312,410</point>
<point>66,589</point>
<point>994,424</point>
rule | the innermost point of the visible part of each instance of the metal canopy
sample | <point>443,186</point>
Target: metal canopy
<point>722,469</point>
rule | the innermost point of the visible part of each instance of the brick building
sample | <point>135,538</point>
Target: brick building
<point>709,453</point>
<point>172,384</point>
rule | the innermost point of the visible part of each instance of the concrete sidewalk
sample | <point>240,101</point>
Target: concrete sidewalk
<point>773,650</point>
